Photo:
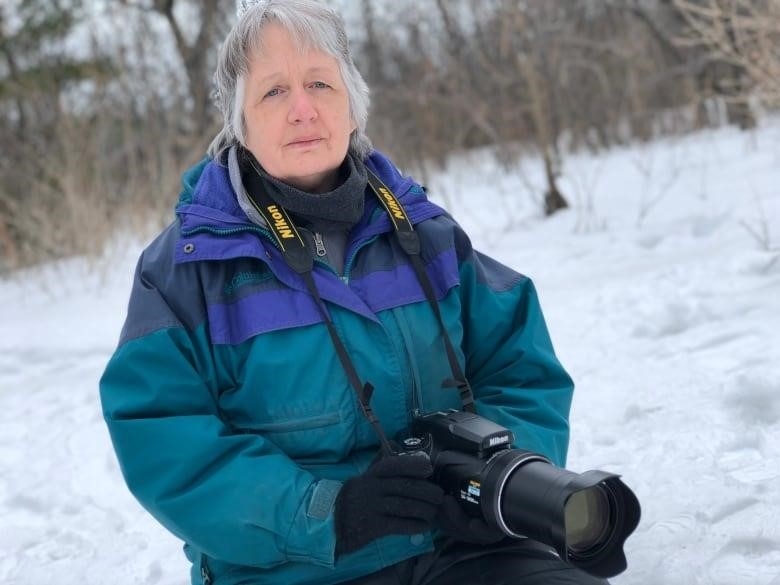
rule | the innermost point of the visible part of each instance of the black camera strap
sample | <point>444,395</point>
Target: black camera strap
<point>410,243</point>
<point>298,257</point>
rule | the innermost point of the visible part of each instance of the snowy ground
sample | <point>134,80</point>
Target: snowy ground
<point>661,303</point>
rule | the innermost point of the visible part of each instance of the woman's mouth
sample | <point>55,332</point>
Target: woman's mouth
<point>305,142</point>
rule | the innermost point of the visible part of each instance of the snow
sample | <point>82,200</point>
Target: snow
<point>662,300</point>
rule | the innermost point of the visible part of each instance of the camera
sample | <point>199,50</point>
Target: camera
<point>585,517</point>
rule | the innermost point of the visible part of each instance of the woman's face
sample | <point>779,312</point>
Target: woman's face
<point>296,110</point>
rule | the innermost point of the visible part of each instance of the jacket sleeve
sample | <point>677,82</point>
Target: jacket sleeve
<point>517,380</point>
<point>233,496</point>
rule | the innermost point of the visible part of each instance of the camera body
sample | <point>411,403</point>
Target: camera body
<point>463,431</point>
<point>584,517</point>
<point>462,447</point>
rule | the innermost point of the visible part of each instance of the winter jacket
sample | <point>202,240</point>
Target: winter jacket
<point>231,416</point>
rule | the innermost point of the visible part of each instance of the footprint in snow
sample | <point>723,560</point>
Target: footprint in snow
<point>754,399</point>
<point>745,560</point>
<point>672,318</point>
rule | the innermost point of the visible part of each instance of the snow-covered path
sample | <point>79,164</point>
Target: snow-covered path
<point>67,516</point>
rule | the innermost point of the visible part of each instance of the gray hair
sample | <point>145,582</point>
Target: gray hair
<point>312,25</point>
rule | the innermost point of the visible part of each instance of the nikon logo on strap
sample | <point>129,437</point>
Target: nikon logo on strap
<point>392,203</point>
<point>281,224</point>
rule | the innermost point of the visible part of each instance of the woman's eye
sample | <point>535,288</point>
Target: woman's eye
<point>320,85</point>
<point>273,93</point>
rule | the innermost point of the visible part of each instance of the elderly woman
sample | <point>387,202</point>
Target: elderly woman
<point>283,330</point>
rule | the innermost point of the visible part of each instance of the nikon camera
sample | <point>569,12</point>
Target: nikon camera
<point>584,517</point>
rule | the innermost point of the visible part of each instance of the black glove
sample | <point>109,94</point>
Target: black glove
<point>393,496</point>
<point>454,522</point>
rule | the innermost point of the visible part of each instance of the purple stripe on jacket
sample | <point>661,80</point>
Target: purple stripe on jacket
<point>399,285</point>
<point>283,308</point>
<point>270,310</point>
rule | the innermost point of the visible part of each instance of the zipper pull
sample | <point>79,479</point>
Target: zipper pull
<point>320,245</point>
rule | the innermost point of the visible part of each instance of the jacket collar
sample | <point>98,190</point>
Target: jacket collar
<point>216,186</point>
<point>213,225</point>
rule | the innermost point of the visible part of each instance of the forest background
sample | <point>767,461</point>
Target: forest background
<point>103,103</point>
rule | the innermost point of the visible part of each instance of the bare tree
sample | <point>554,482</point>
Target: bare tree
<point>35,74</point>
<point>743,37</point>
<point>196,37</point>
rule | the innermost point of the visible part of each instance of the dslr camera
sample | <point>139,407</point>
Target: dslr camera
<point>585,517</point>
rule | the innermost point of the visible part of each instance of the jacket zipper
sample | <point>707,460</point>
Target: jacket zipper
<point>320,245</point>
<point>413,370</point>
<point>229,231</point>
<point>351,258</point>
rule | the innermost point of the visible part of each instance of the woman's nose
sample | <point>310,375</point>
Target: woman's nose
<point>301,108</point>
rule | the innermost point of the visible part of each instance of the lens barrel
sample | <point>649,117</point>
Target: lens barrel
<point>584,517</point>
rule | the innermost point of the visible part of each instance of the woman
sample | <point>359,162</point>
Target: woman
<point>239,399</point>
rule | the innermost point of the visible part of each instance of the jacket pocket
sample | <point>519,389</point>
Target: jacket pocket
<point>318,436</point>
<point>300,424</point>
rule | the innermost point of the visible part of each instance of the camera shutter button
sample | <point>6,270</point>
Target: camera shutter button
<point>412,444</point>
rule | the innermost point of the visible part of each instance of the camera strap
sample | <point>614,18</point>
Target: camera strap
<point>298,257</point>
<point>409,241</point>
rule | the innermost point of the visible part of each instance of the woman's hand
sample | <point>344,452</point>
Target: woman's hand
<point>454,522</point>
<point>393,496</point>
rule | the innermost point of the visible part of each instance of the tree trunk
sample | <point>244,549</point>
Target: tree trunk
<point>9,252</point>
<point>553,199</point>
<point>545,142</point>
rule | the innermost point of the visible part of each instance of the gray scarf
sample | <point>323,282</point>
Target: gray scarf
<point>338,209</point>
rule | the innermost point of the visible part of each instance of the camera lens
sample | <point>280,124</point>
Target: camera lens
<point>587,520</point>
<point>585,517</point>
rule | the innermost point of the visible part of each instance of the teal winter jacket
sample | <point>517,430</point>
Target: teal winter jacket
<point>232,418</point>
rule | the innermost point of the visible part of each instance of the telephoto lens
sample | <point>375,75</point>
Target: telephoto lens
<point>585,517</point>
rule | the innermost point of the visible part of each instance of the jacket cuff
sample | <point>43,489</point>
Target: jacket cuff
<point>312,535</point>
